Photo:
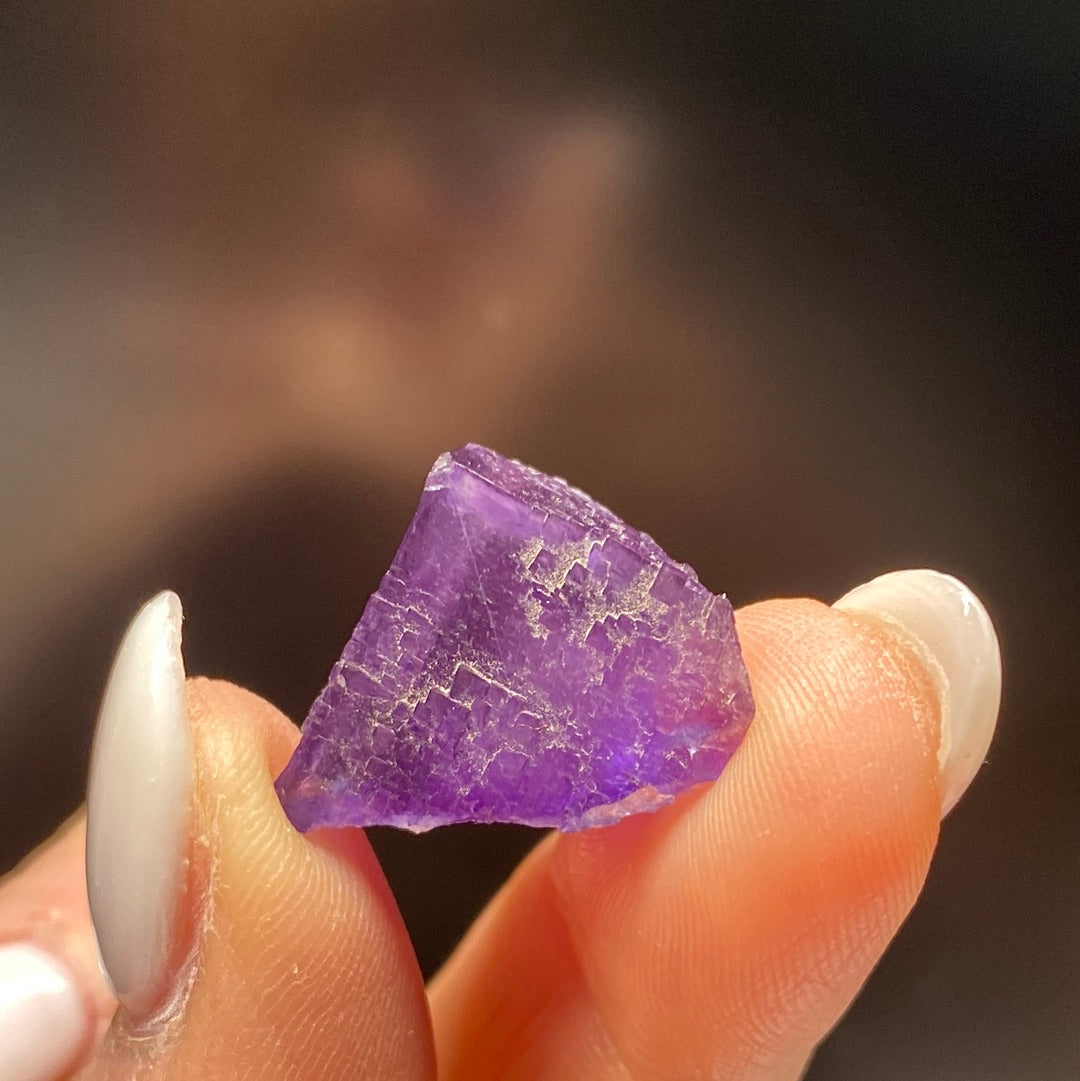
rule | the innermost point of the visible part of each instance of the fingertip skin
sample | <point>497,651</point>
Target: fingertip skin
<point>299,960</point>
<point>747,917</point>
<point>851,723</point>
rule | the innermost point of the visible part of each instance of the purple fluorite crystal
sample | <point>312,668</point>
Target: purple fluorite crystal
<point>528,657</point>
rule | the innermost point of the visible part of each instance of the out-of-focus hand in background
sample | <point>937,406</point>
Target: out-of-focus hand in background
<point>791,291</point>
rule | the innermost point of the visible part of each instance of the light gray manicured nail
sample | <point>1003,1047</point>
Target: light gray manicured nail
<point>138,807</point>
<point>43,1020</point>
<point>951,631</point>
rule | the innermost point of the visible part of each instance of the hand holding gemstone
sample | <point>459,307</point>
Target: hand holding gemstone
<point>679,945</point>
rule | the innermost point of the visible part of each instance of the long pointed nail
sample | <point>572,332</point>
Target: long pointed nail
<point>138,807</point>
<point>43,1023</point>
<point>951,631</point>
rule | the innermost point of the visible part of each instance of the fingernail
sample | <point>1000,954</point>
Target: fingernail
<point>138,803</point>
<point>43,1023</point>
<point>950,629</point>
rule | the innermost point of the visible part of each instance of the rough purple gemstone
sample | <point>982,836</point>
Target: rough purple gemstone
<point>528,657</point>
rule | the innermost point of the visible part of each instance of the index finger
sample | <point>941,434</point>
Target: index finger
<point>725,935</point>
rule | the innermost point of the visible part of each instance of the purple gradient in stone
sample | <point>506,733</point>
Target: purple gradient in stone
<point>528,657</point>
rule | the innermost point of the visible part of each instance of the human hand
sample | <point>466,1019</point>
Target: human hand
<point>721,937</point>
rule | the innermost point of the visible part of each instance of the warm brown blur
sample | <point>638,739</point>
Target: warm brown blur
<point>790,291</point>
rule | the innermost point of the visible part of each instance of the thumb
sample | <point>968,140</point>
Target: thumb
<point>236,947</point>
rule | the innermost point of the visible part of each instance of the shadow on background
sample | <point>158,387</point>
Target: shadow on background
<point>793,291</point>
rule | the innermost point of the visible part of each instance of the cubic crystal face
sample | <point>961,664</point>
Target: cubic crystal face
<point>528,657</point>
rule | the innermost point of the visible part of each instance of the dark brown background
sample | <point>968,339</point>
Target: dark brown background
<point>795,292</point>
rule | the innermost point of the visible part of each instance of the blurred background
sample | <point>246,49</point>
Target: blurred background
<point>793,287</point>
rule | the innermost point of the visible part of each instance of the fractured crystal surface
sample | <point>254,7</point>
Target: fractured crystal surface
<point>528,657</point>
